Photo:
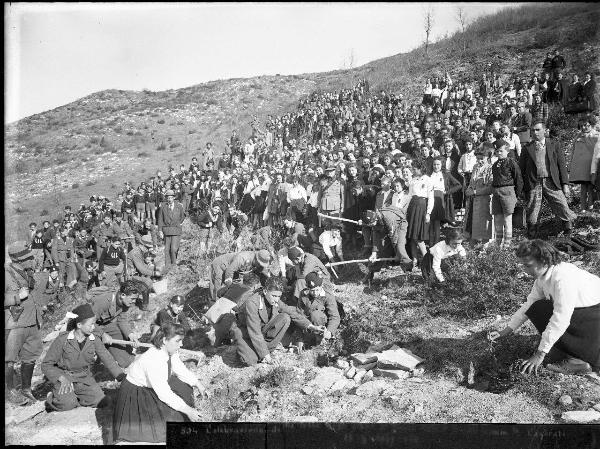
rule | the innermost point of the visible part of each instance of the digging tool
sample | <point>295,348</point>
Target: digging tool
<point>343,262</point>
<point>337,218</point>
<point>185,352</point>
<point>333,271</point>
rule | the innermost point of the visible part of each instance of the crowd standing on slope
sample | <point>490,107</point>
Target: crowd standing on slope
<point>350,171</point>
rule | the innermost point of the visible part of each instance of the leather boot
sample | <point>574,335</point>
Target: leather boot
<point>26,375</point>
<point>10,393</point>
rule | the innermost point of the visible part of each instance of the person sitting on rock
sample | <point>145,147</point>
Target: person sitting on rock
<point>320,308</point>
<point>564,306</point>
<point>262,322</point>
<point>69,360</point>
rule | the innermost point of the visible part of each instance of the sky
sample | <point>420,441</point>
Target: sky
<point>56,53</point>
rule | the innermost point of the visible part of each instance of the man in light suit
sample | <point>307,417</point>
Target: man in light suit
<point>545,175</point>
<point>170,217</point>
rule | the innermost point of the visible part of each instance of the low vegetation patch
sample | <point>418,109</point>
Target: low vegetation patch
<point>485,283</point>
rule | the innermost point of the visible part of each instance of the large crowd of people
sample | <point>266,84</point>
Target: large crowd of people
<point>347,172</point>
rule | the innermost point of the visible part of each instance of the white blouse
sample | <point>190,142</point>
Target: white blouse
<point>422,187</point>
<point>568,287</point>
<point>437,181</point>
<point>151,370</point>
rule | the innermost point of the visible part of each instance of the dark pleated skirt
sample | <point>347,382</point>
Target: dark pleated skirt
<point>140,416</point>
<point>247,204</point>
<point>439,207</point>
<point>418,229</point>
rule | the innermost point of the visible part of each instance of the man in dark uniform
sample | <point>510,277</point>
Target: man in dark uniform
<point>67,365</point>
<point>331,195</point>
<point>110,309</point>
<point>320,308</point>
<point>365,196</point>
<point>304,263</point>
<point>22,323</point>
<point>262,321</point>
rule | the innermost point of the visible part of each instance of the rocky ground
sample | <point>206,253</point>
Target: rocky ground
<point>455,386</point>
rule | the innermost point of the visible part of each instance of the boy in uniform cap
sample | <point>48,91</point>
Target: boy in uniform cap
<point>68,362</point>
<point>63,252</point>
<point>113,263</point>
<point>137,265</point>
<point>22,323</point>
<point>304,263</point>
<point>122,230</point>
<point>103,232</point>
<point>320,308</point>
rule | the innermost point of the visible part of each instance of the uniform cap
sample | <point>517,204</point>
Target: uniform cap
<point>83,312</point>
<point>169,193</point>
<point>313,280</point>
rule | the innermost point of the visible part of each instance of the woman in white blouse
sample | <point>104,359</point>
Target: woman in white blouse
<point>419,210</point>
<point>158,388</point>
<point>564,306</point>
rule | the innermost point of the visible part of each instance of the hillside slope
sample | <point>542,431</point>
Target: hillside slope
<point>94,144</point>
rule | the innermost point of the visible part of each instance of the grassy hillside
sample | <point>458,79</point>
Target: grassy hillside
<point>96,143</point>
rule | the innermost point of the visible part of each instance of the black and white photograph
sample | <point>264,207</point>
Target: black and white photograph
<point>318,218</point>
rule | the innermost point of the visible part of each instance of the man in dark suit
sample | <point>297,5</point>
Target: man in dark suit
<point>545,175</point>
<point>522,124</point>
<point>262,322</point>
<point>170,217</point>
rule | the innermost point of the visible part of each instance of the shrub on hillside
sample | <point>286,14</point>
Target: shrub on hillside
<point>161,122</point>
<point>143,154</point>
<point>20,210</point>
<point>118,129</point>
<point>212,102</point>
<point>175,145</point>
<point>482,284</point>
<point>22,166</point>
<point>161,147</point>
<point>75,185</point>
<point>44,213</point>
<point>278,376</point>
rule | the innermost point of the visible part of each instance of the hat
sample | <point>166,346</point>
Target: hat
<point>83,312</point>
<point>53,268</point>
<point>147,240</point>
<point>19,251</point>
<point>169,193</point>
<point>294,252</point>
<point>313,280</point>
<point>330,167</point>
<point>370,216</point>
<point>263,258</point>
